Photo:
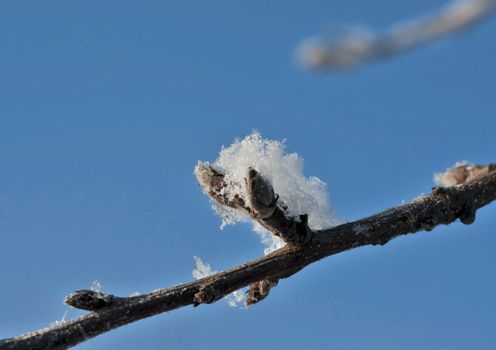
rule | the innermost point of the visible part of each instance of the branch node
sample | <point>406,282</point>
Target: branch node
<point>468,216</point>
<point>205,295</point>
<point>263,202</point>
<point>259,291</point>
<point>90,300</point>
<point>382,241</point>
<point>304,232</point>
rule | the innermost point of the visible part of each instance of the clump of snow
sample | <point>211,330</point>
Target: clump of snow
<point>454,175</point>
<point>204,270</point>
<point>300,194</point>
<point>96,286</point>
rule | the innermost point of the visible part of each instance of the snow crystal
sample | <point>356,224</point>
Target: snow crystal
<point>266,237</point>
<point>61,321</point>
<point>202,269</point>
<point>237,298</point>
<point>96,286</point>
<point>361,229</point>
<point>301,195</point>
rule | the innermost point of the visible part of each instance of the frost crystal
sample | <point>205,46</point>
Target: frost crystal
<point>236,298</point>
<point>301,195</point>
<point>61,321</point>
<point>361,229</point>
<point>266,237</point>
<point>96,286</point>
<point>202,269</point>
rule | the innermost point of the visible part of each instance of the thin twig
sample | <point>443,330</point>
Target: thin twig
<point>354,46</point>
<point>442,206</point>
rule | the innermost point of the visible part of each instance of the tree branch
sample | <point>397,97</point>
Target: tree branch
<point>442,206</point>
<point>354,46</point>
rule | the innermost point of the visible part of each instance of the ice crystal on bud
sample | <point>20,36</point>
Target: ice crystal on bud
<point>96,286</point>
<point>202,269</point>
<point>299,194</point>
<point>61,321</point>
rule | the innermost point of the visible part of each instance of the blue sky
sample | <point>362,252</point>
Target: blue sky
<point>106,107</point>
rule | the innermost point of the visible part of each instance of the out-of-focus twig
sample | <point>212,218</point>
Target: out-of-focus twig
<point>354,46</point>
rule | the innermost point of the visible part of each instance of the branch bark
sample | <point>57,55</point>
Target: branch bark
<point>442,206</point>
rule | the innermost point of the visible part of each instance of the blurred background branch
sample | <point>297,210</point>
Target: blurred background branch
<point>354,45</point>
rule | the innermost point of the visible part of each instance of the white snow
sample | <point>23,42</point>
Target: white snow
<point>61,321</point>
<point>361,229</point>
<point>236,299</point>
<point>302,195</point>
<point>96,286</point>
<point>202,269</point>
<point>266,237</point>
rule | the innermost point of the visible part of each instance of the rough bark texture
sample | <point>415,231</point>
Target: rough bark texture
<point>442,206</point>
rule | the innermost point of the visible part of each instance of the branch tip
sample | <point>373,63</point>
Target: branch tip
<point>259,291</point>
<point>89,300</point>
<point>468,217</point>
<point>462,173</point>
<point>261,197</point>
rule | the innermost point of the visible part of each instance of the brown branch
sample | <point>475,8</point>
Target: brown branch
<point>442,206</point>
<point>262,204</point>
